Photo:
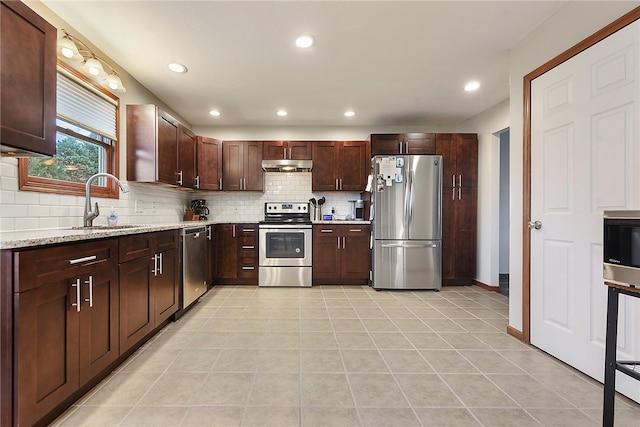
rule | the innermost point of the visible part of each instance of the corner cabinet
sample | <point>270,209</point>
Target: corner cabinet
<point>28,82</point>
<point>459,206</point>
<point>341,254</point>
<point>242,166</point>
<point>403,143</point>
<point>66,318</point>
<point>340,165</point>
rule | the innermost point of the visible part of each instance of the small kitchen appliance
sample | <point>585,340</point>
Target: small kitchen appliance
<point>199,207</point>
<point>357,210</point>
<point>284,245</point>
<point>621,247</point>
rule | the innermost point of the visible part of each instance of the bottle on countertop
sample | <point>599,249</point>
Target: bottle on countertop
<point>112,219</point>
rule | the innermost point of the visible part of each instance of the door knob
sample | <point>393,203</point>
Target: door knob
<point>535,224</point>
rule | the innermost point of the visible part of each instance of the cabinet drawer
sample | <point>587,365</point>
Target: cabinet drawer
<point>166,240</point>
<point>136,246</point>
<point>35,267</point>
<point>355,230</point>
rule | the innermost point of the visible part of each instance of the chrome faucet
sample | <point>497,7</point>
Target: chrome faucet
<point>90,215</point>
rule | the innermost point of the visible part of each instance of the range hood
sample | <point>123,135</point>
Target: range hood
<point>287,165</point>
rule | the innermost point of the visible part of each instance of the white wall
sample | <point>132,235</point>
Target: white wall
<point>486,125</point>
<point>572,24</point>
<point>503,265</point>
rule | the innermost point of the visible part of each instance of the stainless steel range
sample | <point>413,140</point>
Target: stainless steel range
<point>285,245</point>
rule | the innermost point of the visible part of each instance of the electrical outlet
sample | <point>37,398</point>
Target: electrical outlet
<point>138,206</point>
<point>154,206</point>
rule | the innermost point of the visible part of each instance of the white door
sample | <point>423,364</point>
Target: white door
<point>585,158</point>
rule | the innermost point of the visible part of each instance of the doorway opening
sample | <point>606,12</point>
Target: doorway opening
<point>503,245</point>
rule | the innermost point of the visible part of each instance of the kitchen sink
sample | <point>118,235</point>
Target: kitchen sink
<point>107,227</point>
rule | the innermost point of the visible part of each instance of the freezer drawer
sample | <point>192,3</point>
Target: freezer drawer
<point>407,264</point>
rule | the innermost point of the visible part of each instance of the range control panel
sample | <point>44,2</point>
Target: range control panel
<point>288,207</point>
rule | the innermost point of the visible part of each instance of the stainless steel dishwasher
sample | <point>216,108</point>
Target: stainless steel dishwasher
<point>194,265</point>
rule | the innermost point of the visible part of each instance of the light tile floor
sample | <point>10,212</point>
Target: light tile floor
<point>344,356</point>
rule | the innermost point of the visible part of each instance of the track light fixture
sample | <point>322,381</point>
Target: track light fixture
<point>72,49</point>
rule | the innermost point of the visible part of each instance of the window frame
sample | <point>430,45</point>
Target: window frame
<point>47,185</point>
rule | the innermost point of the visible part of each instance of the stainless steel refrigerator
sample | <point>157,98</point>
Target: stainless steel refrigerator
<point>407,221</point>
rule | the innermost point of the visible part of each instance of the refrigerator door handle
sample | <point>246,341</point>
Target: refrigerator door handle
<point>409,245</point>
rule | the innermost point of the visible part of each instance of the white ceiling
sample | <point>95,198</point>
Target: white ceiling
<point>392,62</point>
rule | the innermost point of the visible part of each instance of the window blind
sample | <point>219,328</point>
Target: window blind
<point>82,105</point>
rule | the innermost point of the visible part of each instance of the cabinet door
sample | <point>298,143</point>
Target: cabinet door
<point>445,147</point>
<point>467,159</point>
<point>385,144</point>
<point>253,173</point>
<point>354,165</point>
<point>165,286</point>
<point>299,150</point>
<point>420,143</point>
<point>227,251</point>
<point>167,149</point>
<point>325,164</point>
<point>187,157</point>
<point>274,150</point>
<point>356,254</point>
<point>326,256</point>
<point>28,81</point>
<point>232,165</point>
<point>209,163</point>
<point>136,301</point>
<point>99,321</point>
<point>47,351</point>
<point>466,233</point>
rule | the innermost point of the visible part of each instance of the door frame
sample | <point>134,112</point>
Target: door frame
<point>618,24</point>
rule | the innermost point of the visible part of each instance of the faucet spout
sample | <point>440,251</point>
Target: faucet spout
<point>90,215</point>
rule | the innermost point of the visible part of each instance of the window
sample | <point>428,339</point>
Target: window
<point>86,141</point>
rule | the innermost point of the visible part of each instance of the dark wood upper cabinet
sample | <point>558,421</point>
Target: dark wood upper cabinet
<point>28,81</point>
<point>209,160</point>
<point>242,166</point>
<point>280,150</point>
<point>340,165</point>
<point>403,143</point>
<point>186,158</point>
<point>152,145</point>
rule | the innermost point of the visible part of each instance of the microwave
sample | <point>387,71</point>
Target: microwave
<point>621,247</point>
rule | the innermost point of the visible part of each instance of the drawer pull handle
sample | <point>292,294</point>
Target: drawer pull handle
<point>248,230</point>
<point>354,229</point>
<point>248,268</point>
<point>84,259</point>
<point>248,247</point>
<point>326,231</point>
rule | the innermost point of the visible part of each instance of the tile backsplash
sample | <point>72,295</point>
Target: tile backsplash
<point>151,204</point>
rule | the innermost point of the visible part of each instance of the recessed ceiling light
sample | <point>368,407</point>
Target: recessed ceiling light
<point>471,86</point>
<point>305,41</point>
<point>177,68</point>
<point>349,113</point>
<point>214,113</point>
<point>282,113</point>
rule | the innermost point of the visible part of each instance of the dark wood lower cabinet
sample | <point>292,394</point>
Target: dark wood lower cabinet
<point>341,254</point>
<point>75,314</point>
<point>237,254</point>
<point>62,345</point>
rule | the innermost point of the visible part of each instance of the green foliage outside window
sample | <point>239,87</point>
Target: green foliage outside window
<point>75,161</point>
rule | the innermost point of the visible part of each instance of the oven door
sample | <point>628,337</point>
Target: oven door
<point>285,245</point>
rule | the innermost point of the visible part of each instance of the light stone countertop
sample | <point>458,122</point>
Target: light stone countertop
<point>49,236</point>
<point>39,237</point>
